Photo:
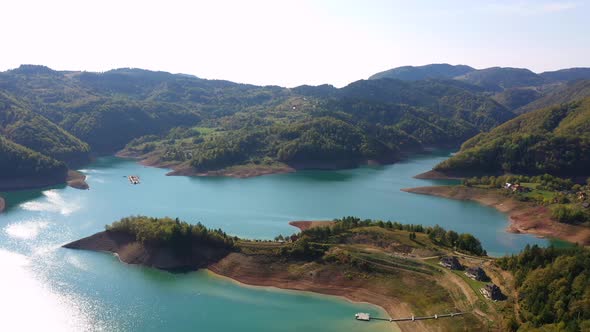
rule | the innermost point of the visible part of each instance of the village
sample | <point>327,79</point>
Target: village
<point>477,273</point>
<point>576,196</point>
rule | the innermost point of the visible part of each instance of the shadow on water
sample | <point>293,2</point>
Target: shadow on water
<point>305,175</point>
<point>560,243</point>
<point>14,199</point>
<point>110,162</point>
<point>323,176</point>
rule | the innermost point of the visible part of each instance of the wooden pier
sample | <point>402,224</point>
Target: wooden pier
<point>367,317</point>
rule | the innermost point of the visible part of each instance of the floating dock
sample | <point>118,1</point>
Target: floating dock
<point>363,316</point>
<point>366,317</point>
<point>133,179</point>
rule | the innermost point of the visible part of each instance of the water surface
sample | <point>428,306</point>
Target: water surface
<point>76,290</point>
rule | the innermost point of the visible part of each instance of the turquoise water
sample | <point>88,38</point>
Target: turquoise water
<point>46,287</point>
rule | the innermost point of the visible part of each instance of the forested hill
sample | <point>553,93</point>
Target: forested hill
<point>554,140</point>
<point>553,286</point>
<point>567,93</point>
<point>317,127</point>
<point>415,73</point>
<point>492,79</point>
<point>518,89</point>
<point>23,167</point>
<point>34,131</point>
<point>210,125</point>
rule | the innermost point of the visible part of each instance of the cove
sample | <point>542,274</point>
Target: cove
<point>76,290</point>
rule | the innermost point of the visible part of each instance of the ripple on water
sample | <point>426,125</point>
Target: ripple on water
<point>54,202</point>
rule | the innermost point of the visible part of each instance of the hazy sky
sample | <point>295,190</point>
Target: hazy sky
<point>290,43</point>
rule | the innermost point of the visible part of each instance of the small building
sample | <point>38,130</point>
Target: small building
<point>451,262</point>
<point>582,196</point>
<point>516,187</point>
<point>493,292</point>
<point>477,273</point>
<point>363,316</point>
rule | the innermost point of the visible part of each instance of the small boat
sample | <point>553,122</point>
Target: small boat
<point>134,179</point>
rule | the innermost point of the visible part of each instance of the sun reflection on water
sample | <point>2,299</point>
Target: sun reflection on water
<point>54,202</point>
<point>29,304</point>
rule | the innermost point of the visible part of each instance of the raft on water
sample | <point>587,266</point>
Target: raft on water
<point>134,179</point>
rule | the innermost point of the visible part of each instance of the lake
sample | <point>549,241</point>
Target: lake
<point>45,287</point>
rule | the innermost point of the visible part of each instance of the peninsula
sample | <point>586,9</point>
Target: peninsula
<point>387,264</point>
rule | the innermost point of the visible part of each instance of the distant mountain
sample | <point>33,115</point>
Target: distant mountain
<point>514,98</point>
<point>521,86</point>
<point>499,79</point>
<point>210,125</point>
<point>566,75</point>
<point>562,94</point>
<point>447,98</point>
<point>433,71</point>
<point>554,140</point>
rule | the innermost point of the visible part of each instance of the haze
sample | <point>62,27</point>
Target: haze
<point>290,43</point>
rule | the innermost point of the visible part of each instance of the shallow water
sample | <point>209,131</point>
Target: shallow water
<point>76,290</point>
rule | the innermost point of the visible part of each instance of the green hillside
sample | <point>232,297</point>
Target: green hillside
<point>34,131</point>
<point>514,98</point>
<point>498,78</point>
<point>566,75</point>
<point>554,140</point>
<point>563,94</point>
<point>21,162</point>
<point>213,124</point>
<point>366,120</point>
<point>433,71</point>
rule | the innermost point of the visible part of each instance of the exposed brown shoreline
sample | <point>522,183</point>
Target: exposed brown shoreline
<point>244,171</point>
<point>525,217</point>
<point>259,270</point>
<point>2,204</point>
<point>77,180</point>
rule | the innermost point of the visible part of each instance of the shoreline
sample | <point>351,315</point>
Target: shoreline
<point>257,271</point>
<point>16,184</point>
<point>182,169</point>
<point>329,287</point>
<point>2,204</point>
<point>436,175</point>
<point>249,170</point>
<point>77,180</point>
<point>523,217</point>
<point>214,274</point>
<point>72,179</point>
